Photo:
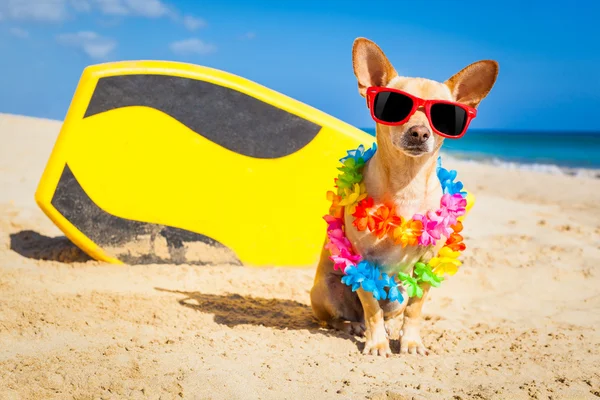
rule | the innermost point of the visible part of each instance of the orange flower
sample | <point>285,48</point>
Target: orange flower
<point>455,242</point>
<point>408,233</point>
<point>458,227</point>
<point>362,215</point>
<point>336,210</point>
<point>385,220</point>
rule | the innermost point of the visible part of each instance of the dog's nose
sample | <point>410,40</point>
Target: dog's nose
<point>418,133</point>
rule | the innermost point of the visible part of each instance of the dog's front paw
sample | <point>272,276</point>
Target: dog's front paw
<point>377,343</point>
<point>393,327</point>
<point>411,343</point>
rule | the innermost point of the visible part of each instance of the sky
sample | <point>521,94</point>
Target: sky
<point>548,51</point>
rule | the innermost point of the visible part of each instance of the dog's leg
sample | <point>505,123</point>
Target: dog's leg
<point>335,306</point>
<point>377,342</point>
<point>411,342</point>
<point>393,313</point>
<point>333,303</point>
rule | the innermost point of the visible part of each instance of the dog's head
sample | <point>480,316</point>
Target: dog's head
<point>415,136</point>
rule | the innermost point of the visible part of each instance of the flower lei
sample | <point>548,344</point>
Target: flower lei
<point>382,220</point>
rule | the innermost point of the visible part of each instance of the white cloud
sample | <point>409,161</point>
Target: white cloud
<point>61,10</point>
<point>142,8</point>
<point>193,23</point>
<point>192,46</point>
<point>92,44</point>
<point>19,33</point>
<point>34,10</point>
<point>81,5</point>
<point>148,8</point>
<point>112,7</point>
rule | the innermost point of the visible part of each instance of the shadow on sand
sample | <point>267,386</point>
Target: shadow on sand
<point>233,309</point>
<point>31,244</point>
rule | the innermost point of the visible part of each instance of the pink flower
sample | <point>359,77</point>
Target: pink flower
<point>452,206</point>
<point>337,241</point>
<point>344,259</point>
<point>333,222</point>
<point>445,224</point>
<point>430,234</point>
<point>435,226</point>
<point>337,238</point>
<point>338,244</point>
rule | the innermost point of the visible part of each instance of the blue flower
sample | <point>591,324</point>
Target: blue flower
<point>354,275</point>
<point>375,284</point>
<point>368,276</point>
<point>360,153</point>
<point>447,180</point>
<point>394,294</point>
<point>450,187</point>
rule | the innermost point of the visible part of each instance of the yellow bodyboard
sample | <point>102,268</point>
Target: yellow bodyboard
<point>158,162</point>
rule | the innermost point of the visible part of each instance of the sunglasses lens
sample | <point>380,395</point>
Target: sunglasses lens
<point>448,119</point>
<point>392,107</point>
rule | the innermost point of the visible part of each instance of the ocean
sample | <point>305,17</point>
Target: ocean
<point>569,152</point>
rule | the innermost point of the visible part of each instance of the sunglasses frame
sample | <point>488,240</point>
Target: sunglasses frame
<point>373,91</point>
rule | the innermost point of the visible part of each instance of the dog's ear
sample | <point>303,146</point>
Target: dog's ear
<point>474,82</point>
<point>371,66</point>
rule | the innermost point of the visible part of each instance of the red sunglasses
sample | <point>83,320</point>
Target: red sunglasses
<point>394,107</point>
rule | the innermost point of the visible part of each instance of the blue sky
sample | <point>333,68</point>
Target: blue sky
<point>548,51</point>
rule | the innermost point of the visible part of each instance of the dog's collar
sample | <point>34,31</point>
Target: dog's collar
<point>421,230</point>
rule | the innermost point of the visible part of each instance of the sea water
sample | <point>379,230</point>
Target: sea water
<point>567,151</point>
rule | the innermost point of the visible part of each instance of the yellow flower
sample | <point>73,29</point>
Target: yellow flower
<point>352,196</point>
<point>446,262</point>
<point>470,202</point>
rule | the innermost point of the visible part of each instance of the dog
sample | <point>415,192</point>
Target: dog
<point>402,171</point>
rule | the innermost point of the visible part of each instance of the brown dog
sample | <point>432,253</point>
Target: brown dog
<point>402,171</point>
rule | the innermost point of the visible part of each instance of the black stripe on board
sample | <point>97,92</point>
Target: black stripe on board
<point>130,241</point>
<point>229,118</point>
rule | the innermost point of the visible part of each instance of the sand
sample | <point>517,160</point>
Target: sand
<point>520,320</point>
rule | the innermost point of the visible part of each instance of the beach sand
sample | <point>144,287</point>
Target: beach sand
<point>520,320</point>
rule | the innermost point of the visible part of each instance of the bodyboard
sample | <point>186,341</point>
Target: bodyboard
<point>164,162</point>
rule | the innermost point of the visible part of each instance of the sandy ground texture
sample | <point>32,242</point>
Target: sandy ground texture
<point>520,320</point>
